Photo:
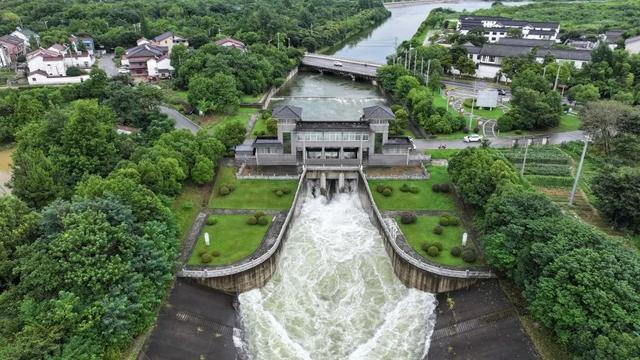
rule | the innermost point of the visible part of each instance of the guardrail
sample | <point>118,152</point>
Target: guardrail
<point>231,270</point>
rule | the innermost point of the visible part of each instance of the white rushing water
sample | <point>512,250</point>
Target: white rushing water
<point>334,295</point>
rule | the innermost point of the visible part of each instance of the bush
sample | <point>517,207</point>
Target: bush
<point>456,251</point>
<point>476,129</point>
<point>252,220</point>
<point>387,192</point>
<point>454,221</point>
<point>202,252</point>
<point>205,258</point>
<point>224,190</point>
<point>465,130</point>
<point>444,220</point>
<point>259,214</point>
<point>279,193</point>
<point>518,132</point>
<point>231,187</point>
<point>433,251</point>
<point>438,230</point>
<point>438,244</point>
<point>380,188</point>
<point>445,188</point>
<point>211,220</point>
<point>425,246</point>
<point>215,253</point>
<point>188,205</point>
<point>414,189</point>
<point>435,188</point>
<point>263,221</point>
<point>405,188</point>
<point>469,255</point>
<point>286,191</point>
<point>408,218</point>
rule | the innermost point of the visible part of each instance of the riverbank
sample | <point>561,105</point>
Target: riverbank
<point>5,169</point>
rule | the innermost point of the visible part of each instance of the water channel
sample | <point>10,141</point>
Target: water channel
<point>334,295</point>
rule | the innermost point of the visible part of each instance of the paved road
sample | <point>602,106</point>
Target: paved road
<point>106,63</point>
<point>558,138</point>
<point>348,66</point>
<point>182,122</point>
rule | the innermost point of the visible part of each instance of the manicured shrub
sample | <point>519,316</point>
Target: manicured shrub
<point>380,188</point>
<point>212,220</point>
<point>279,193</point>
<point>435,188</point>
<point>188,205</point>
<point>252,220</point>
<point>231,187</point>
<point>454,221</point>
<point>445,188</point>
<point>202,252</point>
<point>387,192</point>
<point>414,189</point>
<point>438,230</point>
<point>469,255</point>
<point>286,191</point>
<point>433,251</point>
<point>263,221</point>
<point>425,246</point>
<point>476,129</point>
<point>408,218</point>
<point>456,251</point>
<point>465,130</point>
<point>438,244</point>
<point>205,258</point>
<point>518,132</point>
<point>405,188</point>
<point>215,253</point>
<point>224,190</point>
<point>259,214</point>
<point>444,220</point>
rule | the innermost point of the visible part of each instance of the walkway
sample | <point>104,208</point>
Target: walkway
<point>499,142</point>
<point>182,122</point>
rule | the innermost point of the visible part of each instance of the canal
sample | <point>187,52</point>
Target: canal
<point>334,295</point>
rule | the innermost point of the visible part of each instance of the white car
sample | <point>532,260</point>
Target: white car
<point>337,63</point>
<point>472,138</point>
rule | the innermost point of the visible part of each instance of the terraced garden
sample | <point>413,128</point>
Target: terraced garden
<point>545,166</point>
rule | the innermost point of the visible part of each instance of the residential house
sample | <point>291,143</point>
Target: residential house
<point>612,38</point>
<point>13,45</point>
<point>169,40</point>
<point>495,28</point>
<point>5,59</point>
<point>229,42</point>
<point>148,61</point>
<point>488,58</point>
<point>85,40</point>
<point>49,66</point>
<point>26,35</point>
<point>632,44</point>
<point>365,141</point>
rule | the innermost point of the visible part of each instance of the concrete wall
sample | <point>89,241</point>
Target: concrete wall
<point>37,79</point>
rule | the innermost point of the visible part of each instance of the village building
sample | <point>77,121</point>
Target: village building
<point>612,38</point>
<point>148,60</point>
<point>14,47</point>
<point>364,141</point>
<point>495,28</point>
<point>49,66</point>
<point>632,44</point>
<point>26,36</point>
<point>168,40</point>
<point>83,41</point>
<point>229,42</point>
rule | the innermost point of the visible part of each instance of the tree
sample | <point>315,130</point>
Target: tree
<point>404,84</point>
<point>218,93</point>
<point>33,179</point>
<point>604,120</point>
<point>618,197</point>
<point>231,134</point>
<point>119,51</point>
<point>389,74</point>
<point>584,93</point>
<point>202,171</point>
<point>18,224</point>
<point>400,124</point>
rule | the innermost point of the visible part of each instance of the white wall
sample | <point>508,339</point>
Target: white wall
<point>53,68</point>
<point>38,79</point>
<point>80,61</point>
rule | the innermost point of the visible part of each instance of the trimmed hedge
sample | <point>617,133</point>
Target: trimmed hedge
<point>215,253</point>
<point>438,230</point>
<point>408,218</point>
<point>433,251</point>
<point>211,220</point>
<point>252,220</point>
<point>456,251</point>
<point>469,255</point>
<point>263,221</point>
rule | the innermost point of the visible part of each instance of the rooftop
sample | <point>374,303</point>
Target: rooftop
<point>378,112</point>
<point>331,125</point>
<point>10,39</point>
<point>287,112</point>
<point>543,44</point>
<point>163,36</point>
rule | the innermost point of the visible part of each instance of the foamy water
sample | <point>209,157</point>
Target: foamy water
<point>334,295</point>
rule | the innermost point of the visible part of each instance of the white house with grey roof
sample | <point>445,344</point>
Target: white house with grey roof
<point>495,28</point>
<point>489,57</point>
<point>365,141</point>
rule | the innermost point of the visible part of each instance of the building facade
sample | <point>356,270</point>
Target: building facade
<point>365,142</point>
<point>494,28</point>
<point>169,40</point>
<point>14,46</point>
<point>148,60</point>
<point>49,66</point>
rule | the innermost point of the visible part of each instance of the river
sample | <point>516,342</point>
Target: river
<point>334,294</point>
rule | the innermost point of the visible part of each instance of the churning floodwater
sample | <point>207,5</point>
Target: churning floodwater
<point>334,295</point>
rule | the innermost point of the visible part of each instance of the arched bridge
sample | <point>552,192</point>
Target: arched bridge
<point>352,68</point>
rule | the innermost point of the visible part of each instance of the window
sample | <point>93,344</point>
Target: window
<point>332,153</point>
<point>378,143</point>
<point>286,142</point>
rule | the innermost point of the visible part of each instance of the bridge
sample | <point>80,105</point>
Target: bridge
<point>352,68</point>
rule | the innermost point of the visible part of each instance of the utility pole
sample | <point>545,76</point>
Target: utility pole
<point>428,71</point>
<point>555,85</point>
<point>544,72</point>
<point>473,104</point>
<point>422,66</point>
<point>415,62</point>
<point>524,160</point>
<point>579,172</point>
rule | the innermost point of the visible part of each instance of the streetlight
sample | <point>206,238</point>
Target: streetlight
<point>579,172</point>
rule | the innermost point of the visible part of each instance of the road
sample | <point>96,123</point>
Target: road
<point>348,66</point>
<point>106,63</point>
<point>557,138</point>
<point>182,122</point>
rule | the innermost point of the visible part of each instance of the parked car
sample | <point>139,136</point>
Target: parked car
<point>472,138</point>
<point>337,63</point>
<point>502,92</point>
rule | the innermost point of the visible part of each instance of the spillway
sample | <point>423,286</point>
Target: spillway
<point>334,295</point>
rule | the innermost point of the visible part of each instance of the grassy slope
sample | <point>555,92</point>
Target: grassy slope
<point>251,194</point>
<point>186,206</point>
<point>232,237</point>
<point>242,115</point>
<point>424,200</point>
<point>422,231</point>
<point>568,122</point>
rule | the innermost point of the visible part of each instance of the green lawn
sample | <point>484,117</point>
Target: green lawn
<point>261,125</point>
<point>251,194</point>
<point>441,101</point>
<point>250,99</point>
<point>568,122</point>
<point>492,114</point>
<point>422,231</point>
<point>232,237</point>
<point>186,206</point>
<point>442,153</point>
<point>424,200</point>
<point>242,115</point>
